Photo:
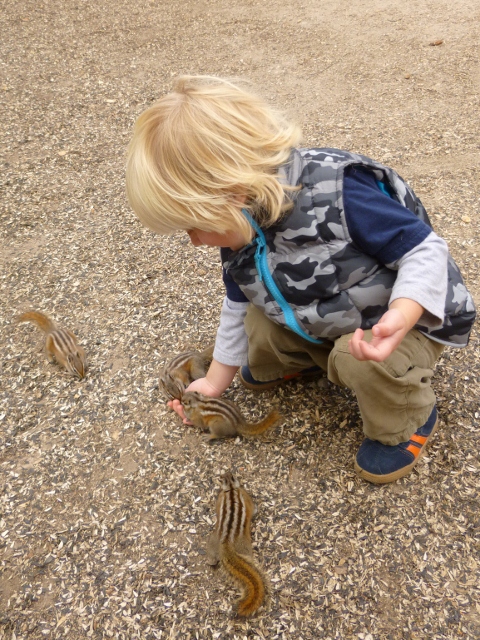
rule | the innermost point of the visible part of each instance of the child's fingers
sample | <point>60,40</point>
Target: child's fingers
<point>371,352</point>
<point>178,408</point>
<point>366,350</point>
<point>377,349</point>
<point>391,322</point>
<point>380,330</point>
<point>174,404</point>
<point>384,330</point>
<point>354,345</point>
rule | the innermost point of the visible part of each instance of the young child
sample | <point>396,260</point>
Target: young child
<point>330,261</point>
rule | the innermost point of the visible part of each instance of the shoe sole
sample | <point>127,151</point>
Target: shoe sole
<point>264,386</point>
<point>395,475</point>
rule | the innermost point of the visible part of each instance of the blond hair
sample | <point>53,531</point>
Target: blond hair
<point>198,153</point>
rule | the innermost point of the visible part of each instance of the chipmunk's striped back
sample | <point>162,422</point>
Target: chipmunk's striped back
<point>220,407</point>
<point>180,361</point>
<point>59,343</point>
<point>231,544</point>
<point>222,417</point>
<point>232,518</point>
<point>62,340</point>
<point>183,369</point>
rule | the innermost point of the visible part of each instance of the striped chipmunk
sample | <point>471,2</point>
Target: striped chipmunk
<point>222,418</point>
<point>230,544</point>
<point>177,374</point>
<point>60,344</point>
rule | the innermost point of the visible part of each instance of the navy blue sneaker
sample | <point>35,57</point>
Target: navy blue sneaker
<point>249,381</point>
<point>380,463</point>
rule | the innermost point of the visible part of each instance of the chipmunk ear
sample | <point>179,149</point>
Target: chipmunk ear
<point>229,481</point>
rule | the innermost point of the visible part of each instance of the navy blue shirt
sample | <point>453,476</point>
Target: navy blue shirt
<point>379,225</point>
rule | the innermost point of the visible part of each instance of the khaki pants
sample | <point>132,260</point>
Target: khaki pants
<point>395,397</point>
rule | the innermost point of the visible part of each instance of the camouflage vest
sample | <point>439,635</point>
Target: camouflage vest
<point>330,285</point>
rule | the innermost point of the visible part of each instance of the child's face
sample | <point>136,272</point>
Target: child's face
<point>231,239</point>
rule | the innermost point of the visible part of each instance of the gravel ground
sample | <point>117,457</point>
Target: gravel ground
<point>106,498</point>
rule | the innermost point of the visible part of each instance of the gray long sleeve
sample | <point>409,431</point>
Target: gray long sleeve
<point>231,344</point>
<point>422,277</point>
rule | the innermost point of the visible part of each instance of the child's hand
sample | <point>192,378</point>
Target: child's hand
<point>387,335</point>
<point>177,406</point>
<point>202,385</point>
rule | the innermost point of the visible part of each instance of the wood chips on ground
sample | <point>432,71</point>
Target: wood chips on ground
<point>105,497</point>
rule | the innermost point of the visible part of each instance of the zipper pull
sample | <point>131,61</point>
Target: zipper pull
<point>258,257</point>
<point>261,244</point>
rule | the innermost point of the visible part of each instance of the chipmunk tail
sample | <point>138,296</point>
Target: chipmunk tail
<point>248,577</point>
<point>272,420</point>
<point>38,318</point>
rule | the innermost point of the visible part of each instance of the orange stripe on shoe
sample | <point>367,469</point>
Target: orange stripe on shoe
<point>420,439</point>
<point>413,449</point>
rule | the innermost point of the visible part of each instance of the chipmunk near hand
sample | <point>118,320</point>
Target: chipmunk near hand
<point>222,418</point>
<point>60,344</point>
<point>177,374</point>
<point>230,544</point>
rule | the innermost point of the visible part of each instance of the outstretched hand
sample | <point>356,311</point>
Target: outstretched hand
<point>202,386</point>
<point>387,335</point>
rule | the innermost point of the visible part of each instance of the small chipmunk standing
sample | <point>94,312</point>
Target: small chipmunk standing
<point>222,418</point>
<point>60,344</point>
<point>183,370</point>
<point>230,544</point>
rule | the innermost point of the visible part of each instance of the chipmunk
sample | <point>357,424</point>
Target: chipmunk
<point>230,544</point>
<point>222,418</point>
<point>183,370</point>
<point>60,344</point>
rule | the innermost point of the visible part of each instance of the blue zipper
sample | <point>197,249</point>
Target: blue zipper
<point>266,277</point>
